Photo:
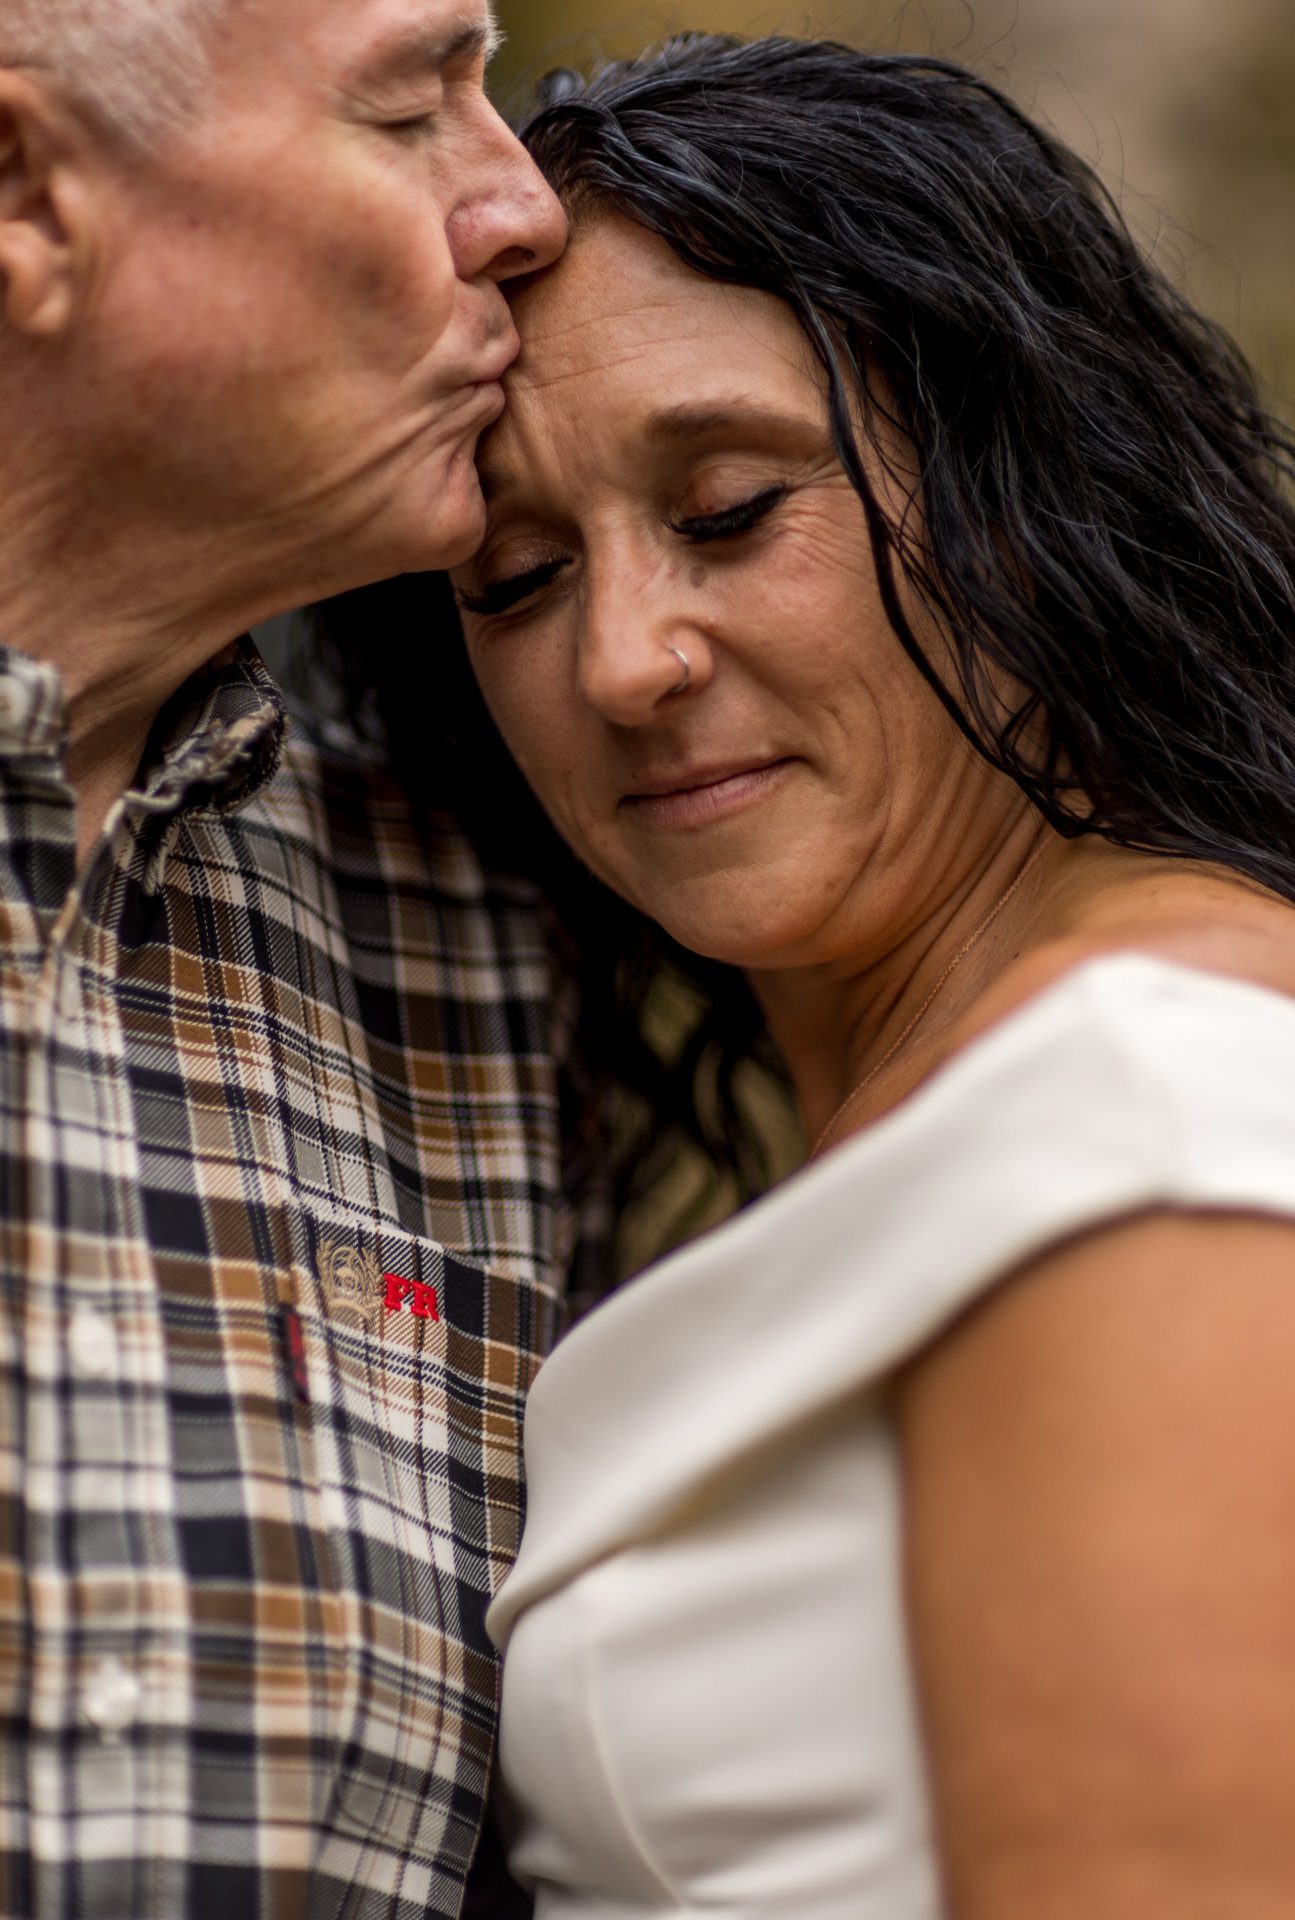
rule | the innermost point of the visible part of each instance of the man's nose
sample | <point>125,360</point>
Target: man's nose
<point>512,221</point>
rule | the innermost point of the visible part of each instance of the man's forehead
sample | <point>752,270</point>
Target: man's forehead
<point>431,44</point>
<point>338,43</point>
<point>387,37</point>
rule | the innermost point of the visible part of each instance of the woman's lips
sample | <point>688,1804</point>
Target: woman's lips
<point>705,797</point>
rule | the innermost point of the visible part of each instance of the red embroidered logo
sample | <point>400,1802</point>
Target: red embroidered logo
<point>294,1347</point>
<point>412,1295</point>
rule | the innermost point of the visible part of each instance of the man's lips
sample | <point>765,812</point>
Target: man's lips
<point>497,362</point>
<point>694,795</point>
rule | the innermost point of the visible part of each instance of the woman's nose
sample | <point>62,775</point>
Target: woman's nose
<point>635,670</point>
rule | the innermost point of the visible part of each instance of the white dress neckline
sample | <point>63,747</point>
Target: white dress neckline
<point>1085,1075</point>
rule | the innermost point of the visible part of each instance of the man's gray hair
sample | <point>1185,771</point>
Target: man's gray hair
<point>137,63</point>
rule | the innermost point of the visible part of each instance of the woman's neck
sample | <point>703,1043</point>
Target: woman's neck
<point>889,1005</point>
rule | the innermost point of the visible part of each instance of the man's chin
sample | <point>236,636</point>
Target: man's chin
<point>452,525</point>
<point>441,532</point>
<point>446,551</point>
<point>429,520</point>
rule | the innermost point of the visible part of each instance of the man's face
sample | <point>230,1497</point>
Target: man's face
<point>296,333</point>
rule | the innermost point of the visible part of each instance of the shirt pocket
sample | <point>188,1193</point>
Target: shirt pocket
<point>414,1369</point>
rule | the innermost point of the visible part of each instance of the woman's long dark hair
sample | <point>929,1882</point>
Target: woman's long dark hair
<point>1105,521</point>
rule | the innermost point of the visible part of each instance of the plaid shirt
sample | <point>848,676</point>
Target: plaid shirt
<point>281,1237</point>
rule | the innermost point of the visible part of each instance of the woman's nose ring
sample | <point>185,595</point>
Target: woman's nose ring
<point>686,676</point>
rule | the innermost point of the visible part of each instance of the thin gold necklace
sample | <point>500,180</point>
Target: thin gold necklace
<point>857,1091</point>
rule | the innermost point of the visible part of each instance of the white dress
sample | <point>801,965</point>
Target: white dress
<point>707,1704</point>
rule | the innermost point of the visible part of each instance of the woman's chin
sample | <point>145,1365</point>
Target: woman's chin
<point>753,943</point>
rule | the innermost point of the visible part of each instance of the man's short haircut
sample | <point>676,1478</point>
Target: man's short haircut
<point>136,64</point>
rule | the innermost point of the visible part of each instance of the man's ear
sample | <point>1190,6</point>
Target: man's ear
<point>45,217</point>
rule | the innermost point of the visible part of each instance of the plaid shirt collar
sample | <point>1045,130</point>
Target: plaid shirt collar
<point>219,738</point>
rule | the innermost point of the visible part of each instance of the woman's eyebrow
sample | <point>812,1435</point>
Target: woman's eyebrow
<point>674,426</point>
<point>681,426</point>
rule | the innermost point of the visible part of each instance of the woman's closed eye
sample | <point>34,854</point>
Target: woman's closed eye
<point>700,528</point>
<point>499,596</point>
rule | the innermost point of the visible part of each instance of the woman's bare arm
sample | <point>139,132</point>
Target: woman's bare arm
<point>1100,1498</point>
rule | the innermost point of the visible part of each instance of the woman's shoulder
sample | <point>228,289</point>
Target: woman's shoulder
<point>1193,925</point>
<point>1142,1057</point>
<point>1128,1384</point>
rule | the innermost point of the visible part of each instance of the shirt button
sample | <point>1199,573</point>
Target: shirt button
<point>92,1343</point>
<point>69,995</point>
<point>15,703</point>
<point>112,1699</point>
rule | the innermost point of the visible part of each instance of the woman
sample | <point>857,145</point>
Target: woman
<point>888,593</point>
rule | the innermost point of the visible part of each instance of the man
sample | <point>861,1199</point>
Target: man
<point>280,1228</point>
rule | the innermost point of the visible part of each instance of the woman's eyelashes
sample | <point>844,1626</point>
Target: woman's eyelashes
<point>741,518</point>
<point>501,595</point>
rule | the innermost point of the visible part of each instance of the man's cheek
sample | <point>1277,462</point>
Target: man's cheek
<point>401,277</point>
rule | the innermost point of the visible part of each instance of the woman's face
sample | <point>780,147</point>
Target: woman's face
<point>664,479</point>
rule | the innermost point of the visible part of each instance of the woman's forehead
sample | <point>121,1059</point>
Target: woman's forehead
<point>620,291</point>
<point>622,340</point>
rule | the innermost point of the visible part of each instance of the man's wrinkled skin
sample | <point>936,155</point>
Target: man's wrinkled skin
<point>248,366</point>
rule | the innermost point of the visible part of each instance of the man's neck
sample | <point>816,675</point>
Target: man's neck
<point>105,745</point>
<point>115,619</point>
<point>116,676</point>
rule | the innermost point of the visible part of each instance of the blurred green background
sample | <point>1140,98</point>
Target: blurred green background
<point>1186,106</point>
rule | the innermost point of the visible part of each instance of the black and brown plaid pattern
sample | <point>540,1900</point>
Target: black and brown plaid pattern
<point>280,1243</point>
